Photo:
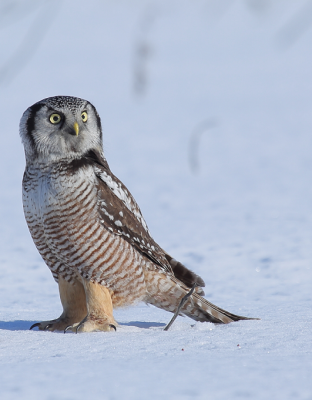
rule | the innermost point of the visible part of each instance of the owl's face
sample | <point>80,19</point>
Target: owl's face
<point>59,128</point>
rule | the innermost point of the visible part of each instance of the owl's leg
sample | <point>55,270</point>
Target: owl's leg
<point>100,310</point>
<point>73,300</point>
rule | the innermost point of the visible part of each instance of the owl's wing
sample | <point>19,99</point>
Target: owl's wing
<point>119,213</point>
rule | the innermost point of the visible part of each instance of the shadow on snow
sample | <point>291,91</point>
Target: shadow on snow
<point>20,325</point>
<point>17,325</point>
<point>143,325</point>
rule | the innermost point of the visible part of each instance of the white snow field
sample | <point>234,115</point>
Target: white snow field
<point>206,113</point>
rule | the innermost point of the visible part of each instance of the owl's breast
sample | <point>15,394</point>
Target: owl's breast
<point>56,201</point>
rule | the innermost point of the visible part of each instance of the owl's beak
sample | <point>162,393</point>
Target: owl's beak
<point>76,128</point>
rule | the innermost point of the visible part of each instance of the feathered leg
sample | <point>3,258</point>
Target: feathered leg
<point>73,300</point>
<point>100,310</point>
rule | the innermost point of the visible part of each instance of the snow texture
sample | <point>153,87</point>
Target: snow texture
<point>206,114</point>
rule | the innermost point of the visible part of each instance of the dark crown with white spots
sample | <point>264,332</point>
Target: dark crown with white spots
<point>72,103</point>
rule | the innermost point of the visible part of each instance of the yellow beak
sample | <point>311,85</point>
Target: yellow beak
<point>76,128</point>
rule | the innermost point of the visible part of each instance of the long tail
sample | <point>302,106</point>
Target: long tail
<point>166,292</point>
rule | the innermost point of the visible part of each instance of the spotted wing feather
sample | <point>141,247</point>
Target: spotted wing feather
<point>119,212</point>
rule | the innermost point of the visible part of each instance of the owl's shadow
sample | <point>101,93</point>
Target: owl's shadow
<point>20,325</point>
<point>17,325</point>
<point>143,325</point>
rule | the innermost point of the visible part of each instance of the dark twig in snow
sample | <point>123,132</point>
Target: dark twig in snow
<point>180,306</point>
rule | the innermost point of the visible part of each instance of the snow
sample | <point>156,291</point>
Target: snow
<point>206,114</point>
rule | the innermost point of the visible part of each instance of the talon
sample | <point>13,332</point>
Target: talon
<point>34,325</point>
<point>113,326</point>
<point>47,327</point>
<point>80,324</point>
<point>67,327</point>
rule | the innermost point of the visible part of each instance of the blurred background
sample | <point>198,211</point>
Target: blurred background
<point>206,114</point>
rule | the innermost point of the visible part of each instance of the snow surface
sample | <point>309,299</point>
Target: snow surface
<point>206,112</point>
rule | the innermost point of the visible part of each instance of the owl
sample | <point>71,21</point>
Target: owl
<point>89,229</point>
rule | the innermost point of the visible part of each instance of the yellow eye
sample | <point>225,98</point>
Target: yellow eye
<point>55,118</point>
<point>84,116</point>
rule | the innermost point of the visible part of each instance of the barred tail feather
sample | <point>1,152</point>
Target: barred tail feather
<point>202,310</point>
<point>166,292</point>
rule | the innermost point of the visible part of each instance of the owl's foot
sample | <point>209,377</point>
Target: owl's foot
<point>73,299</point>
<point>58,324</point>
<point>100,310</point>
<point>91,324</point>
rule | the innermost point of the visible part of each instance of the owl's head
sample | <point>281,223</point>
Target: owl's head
<point>60,128</point>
